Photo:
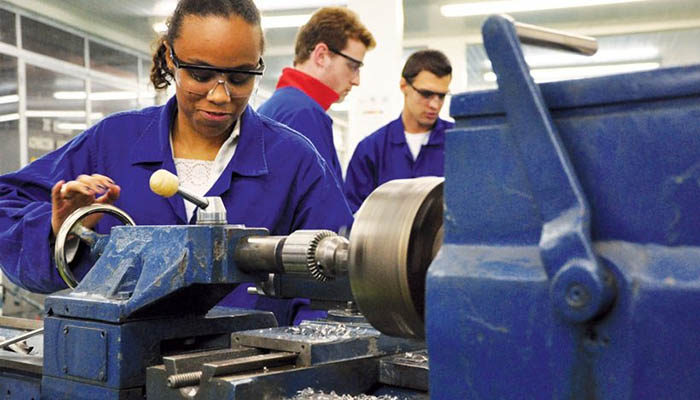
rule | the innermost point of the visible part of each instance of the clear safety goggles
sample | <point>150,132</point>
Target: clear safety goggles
<point>204,79</point>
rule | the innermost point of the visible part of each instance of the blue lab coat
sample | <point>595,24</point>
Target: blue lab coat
<point>384,156</point>
<point>275,180</point>
<point>300,112</point>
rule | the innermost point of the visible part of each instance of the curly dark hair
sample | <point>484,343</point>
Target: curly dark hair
<point>433,61</point>
<point>246,9</point>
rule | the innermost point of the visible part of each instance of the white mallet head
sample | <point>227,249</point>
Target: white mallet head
<point>164,183</point>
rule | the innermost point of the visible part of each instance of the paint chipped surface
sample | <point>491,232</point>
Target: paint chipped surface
<point>672,195</point>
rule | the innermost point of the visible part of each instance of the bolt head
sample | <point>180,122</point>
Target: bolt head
<point>577,296</point>
<point>578,292</point>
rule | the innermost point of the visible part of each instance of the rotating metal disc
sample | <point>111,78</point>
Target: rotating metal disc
<point>396,234</point>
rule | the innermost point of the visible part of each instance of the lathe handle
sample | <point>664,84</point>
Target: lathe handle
<point>72,226</point>
<point>580,287</point>
<point>545,37</point>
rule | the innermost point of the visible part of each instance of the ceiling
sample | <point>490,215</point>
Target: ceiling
<point>422,18</point>
<point>670,26</point>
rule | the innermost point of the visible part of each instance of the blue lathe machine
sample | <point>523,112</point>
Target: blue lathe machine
<point>558,259</point>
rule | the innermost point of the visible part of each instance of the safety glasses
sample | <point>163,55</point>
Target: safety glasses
<point>203,79</point>
<point>428,95</point>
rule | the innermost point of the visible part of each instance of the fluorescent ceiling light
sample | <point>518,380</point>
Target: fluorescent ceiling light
<point>515,6</point>
<point>284,21</point>
<point>10,98</point>
<point>9,117</point>
<point>70,95</point>
<point>101,96</point>
<point>269,5</point>
<point>71,126</point>
<point>160,27</point>
<point>50,114</point>
<point>60,114</point>
<point>55,114</point>
<point>268,22</point>
<point>164,8</point>
<point>579,72</point>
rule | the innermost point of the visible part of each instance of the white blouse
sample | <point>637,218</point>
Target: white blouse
<point>198,176</point>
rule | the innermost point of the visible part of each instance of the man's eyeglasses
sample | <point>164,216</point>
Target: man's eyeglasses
<point>203,79</point>
<point>428,94</point>
<point>355,64</point>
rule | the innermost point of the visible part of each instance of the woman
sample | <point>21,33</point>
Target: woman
<point>266,174</point>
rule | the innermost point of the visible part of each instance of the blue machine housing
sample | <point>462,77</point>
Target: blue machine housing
<point>630,148</point>
<point>149,295</point>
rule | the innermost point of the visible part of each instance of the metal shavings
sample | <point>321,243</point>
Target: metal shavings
<point>325,332</point>
<point>417,357</point>
<point>311,394</point>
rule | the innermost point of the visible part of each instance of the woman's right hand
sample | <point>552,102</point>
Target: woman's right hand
<point>67,197</point>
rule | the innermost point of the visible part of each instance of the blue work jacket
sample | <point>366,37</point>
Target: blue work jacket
<point>384,156</point>
<point>275,180</point>
<point>300,112</point>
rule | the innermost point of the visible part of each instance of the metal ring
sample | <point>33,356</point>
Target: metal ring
<point>70,224</point>
<point>395,236</point>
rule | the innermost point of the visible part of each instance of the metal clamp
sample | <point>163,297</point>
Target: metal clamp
<point>72,226</point>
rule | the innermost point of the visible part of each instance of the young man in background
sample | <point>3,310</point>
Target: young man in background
<point>329,52</point>
<point>413,145</point>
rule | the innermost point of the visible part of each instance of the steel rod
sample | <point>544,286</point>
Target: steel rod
<point>20,338</point>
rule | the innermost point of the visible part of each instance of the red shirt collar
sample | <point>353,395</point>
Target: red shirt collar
<point>313,88</point>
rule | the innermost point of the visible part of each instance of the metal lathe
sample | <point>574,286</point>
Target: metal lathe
<point>559,258</point>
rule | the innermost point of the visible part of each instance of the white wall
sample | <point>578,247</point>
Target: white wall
<point>377,100</point>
